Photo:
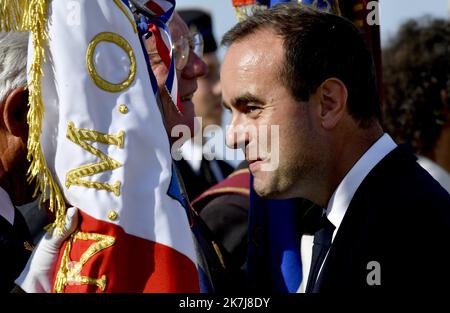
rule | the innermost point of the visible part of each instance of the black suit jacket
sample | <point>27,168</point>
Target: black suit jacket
<point>14,250</point>
<point>400,218</point>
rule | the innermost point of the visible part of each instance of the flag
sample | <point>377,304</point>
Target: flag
<point>156,25</point>
<point>97,142</point>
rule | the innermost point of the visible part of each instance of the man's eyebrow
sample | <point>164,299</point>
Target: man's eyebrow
<point>245,99</point>
<point>242,100</point>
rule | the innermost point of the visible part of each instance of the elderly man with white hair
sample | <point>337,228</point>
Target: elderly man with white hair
<point>14,190</point>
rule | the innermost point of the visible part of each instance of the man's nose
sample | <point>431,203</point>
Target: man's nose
<point>237,134</point>
<point>195,67</point>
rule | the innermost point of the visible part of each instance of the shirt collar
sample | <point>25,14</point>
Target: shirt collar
<point>6,206</point>
<point>340,200</point>
<point>438,173</point>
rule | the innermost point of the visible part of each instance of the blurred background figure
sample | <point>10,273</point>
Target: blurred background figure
<point>208,97</point>
<point>223,208</point>
<point>417,91</point>
<point>198,167</point>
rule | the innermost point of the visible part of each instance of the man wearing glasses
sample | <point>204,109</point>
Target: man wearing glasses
<point>197,164</point>
<point>188,50</point>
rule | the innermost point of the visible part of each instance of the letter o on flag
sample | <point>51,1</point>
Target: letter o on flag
<point>100,81</point>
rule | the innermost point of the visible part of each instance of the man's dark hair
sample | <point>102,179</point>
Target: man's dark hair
<point>416,71</point>
<point>318,46</point>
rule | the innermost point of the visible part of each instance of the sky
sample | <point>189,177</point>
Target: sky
<point>392,14</point>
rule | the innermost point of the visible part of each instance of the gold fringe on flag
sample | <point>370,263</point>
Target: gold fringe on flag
<point>12,15</point>
<point>31,15</point>
<point>36,22</point>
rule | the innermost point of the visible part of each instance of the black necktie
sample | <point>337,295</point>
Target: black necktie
<point>322,242</point>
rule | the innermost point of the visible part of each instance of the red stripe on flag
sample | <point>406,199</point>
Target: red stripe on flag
<point>132,264</point>
<point>161,47</point>
<point>164,53</point>
<point>180,108</point>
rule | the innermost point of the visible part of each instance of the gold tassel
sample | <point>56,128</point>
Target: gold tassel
<point>36,22</point>
<point>12,15</point>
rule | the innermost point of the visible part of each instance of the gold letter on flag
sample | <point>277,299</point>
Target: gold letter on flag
<point>69,272</point>
<point>80,136</point>
<point>122,43</point>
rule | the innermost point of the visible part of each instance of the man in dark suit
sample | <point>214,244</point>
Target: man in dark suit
<point>302,90</point>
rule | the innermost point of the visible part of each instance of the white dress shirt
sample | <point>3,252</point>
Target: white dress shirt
<point>340,200</point>
<point>6,206</point>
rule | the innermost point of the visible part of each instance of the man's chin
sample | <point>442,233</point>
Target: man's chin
<point>267,191</point>
<point>267,188</point>
<point>270,194</point>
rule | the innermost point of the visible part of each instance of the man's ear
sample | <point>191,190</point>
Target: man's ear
<point>333,97</point>
<point>15,113</point>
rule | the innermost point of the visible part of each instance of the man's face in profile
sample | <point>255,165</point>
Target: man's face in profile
<point>275,130</point>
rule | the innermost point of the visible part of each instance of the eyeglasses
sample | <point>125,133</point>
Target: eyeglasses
<point>183,46</point>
